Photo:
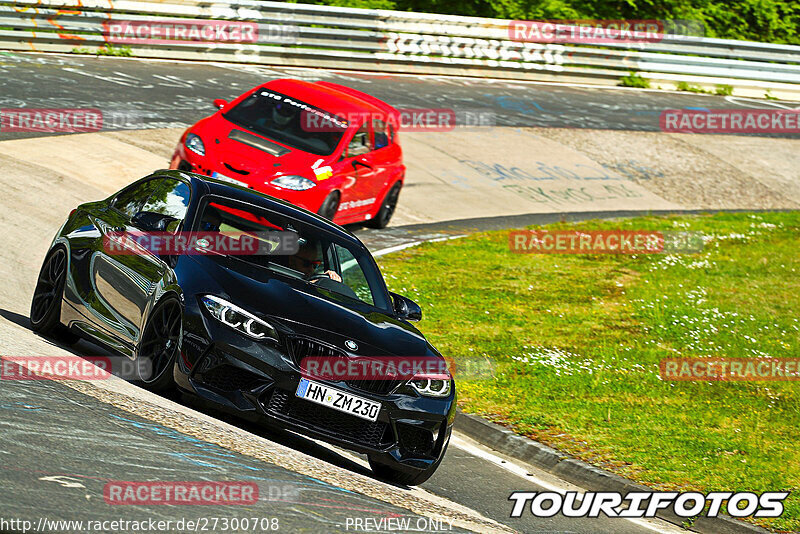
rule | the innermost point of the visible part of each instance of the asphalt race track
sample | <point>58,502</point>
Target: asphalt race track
<point>152,94</point>
<point>55,435</point>
<point>61,442</point>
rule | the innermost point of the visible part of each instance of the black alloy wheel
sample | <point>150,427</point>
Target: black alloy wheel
<point>159,345</point>
<point>45,312</point>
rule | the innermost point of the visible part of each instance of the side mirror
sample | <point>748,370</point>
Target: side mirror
<point>405,308</point>
<point>220,103</point>
<point>361,163</point>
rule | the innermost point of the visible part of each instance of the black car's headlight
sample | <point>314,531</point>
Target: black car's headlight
<point>239,319</point>
<point>431,387</point>
<point>195,144</point>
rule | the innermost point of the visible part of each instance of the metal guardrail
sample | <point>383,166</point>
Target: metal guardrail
<point>378,40</point>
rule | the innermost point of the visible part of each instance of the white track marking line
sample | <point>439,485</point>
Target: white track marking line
<point>524,473</point>
<point>396,248</point>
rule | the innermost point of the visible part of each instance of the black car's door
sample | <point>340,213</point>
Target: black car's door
<point>124,277</point>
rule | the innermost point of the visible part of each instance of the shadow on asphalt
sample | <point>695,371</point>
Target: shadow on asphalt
<point>16,318</point>
<point>276,435</point>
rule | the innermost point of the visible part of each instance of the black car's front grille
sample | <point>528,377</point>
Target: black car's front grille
<point>330,421</point>
<point>228,378</point>
<point>304,348</point>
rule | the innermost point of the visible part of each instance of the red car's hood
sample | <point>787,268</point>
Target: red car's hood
<point>245,155</point>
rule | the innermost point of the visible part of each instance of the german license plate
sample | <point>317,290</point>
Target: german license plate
<point>338,400</point>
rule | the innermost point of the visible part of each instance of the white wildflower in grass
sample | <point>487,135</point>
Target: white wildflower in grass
<point>565,363</point>
<point>731,236</point>
<point>704,331</point>
<point>687,262</point>
<point>702,264</point>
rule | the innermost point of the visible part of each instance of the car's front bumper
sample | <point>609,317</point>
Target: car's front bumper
<point>310,199</point>
<point>258,381</point>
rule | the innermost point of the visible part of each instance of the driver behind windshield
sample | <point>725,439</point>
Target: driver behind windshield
<point>282,115</point>
<point>307,261</point>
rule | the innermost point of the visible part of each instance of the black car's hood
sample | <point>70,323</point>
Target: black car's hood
<point>305,309</point>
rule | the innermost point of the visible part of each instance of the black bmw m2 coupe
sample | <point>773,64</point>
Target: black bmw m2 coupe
<point>235,320</point>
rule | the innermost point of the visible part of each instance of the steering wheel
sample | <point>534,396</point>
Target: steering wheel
<point>326,282</point>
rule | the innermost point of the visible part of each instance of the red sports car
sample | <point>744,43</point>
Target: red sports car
<point>321,146</point>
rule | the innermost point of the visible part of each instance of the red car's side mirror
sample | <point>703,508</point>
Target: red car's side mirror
<point>220,103</point>
<point>360,162</point>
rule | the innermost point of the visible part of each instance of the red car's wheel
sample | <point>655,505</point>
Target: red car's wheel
<point>388,205</point>
<point>330,206</point>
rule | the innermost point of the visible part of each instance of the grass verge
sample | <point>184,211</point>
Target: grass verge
<point>576,340</point>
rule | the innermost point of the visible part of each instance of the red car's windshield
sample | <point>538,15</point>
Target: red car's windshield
<point>289,121</point>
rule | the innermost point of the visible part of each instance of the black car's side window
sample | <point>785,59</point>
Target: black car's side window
<point>130,200</point>
<point>353,276</point>
<point>171,199</point>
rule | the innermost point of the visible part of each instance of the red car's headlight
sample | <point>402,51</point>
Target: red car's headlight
<point>295,183</point>
<point>195,144</point>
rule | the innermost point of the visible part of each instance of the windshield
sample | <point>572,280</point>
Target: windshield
<point>283,245</point>
<point>289,121</point>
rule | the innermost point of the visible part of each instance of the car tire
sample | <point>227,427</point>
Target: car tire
<point>45,314</point>
<point>159,346</point>
<point>389,474</point>
<point>330,206</point>
<point>384,215</point>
